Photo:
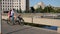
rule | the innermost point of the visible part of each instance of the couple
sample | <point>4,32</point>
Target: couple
<point>11,14</point>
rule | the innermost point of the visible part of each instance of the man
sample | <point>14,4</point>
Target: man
<point>12,16</point>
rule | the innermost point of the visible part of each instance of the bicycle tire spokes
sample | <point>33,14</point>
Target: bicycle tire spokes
<point>22,22</point>
<point>10,22</point>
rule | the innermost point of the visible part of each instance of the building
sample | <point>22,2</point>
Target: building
<point>39,4</point>
<point>16,4</point>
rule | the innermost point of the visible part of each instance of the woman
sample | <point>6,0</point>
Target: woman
<point>9,14</point>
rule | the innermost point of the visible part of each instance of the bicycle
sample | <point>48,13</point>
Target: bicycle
<point>20,22</point>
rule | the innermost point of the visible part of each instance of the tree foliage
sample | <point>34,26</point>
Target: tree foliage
<point>47,9</point>
<point>39,10</point>
<point>58,11</point>
<point>19,11</point>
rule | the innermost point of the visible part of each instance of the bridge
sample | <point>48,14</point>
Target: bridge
<point>45,21</point>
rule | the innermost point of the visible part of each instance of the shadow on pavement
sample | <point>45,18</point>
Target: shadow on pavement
<point>19,30</point>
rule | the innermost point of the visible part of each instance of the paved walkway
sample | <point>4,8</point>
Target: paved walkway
<point>52,22</point>
<point>17,29</point>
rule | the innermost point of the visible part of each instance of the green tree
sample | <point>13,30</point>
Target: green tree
<point>45,10</point>
<point>26,11</point>
<point>20,11</point>
<point>17,11</point>
<point>39,10</point>
<point>48,9</point>
<point>58,11</point>
<point>51,10</point>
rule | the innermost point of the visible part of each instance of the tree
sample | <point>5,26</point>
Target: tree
<point>20,11</point>
<point>39,10</point>
<point>26,11</point>
<point>58,11</point>
<point>45,10</point>
<point>17,11</point>
<point>49,9</point>
<point>32,9</point>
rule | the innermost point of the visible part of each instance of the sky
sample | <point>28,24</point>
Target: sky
<point>55,3</point>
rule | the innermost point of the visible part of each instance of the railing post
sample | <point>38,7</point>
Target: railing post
<point>32,17</point>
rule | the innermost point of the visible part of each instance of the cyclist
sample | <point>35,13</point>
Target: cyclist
<point>9,14</point>
<point>12,16</point>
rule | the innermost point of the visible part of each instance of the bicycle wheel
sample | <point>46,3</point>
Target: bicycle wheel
<point>21,22</point>
<point>9,22</point>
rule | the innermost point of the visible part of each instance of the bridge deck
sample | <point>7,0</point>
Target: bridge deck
<point>52,22</point>
<point>17,29</point>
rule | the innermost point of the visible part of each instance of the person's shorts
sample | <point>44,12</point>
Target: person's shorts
<point>10,16</point>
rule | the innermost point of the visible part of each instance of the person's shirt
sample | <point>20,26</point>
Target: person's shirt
<point>9,14</point>
<point>12,12</point>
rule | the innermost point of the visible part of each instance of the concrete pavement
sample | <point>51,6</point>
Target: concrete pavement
<point>17,29</point>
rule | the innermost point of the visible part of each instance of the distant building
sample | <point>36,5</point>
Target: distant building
<point>39,4</point>
<point>27,5</point>
<point>16,4</point>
